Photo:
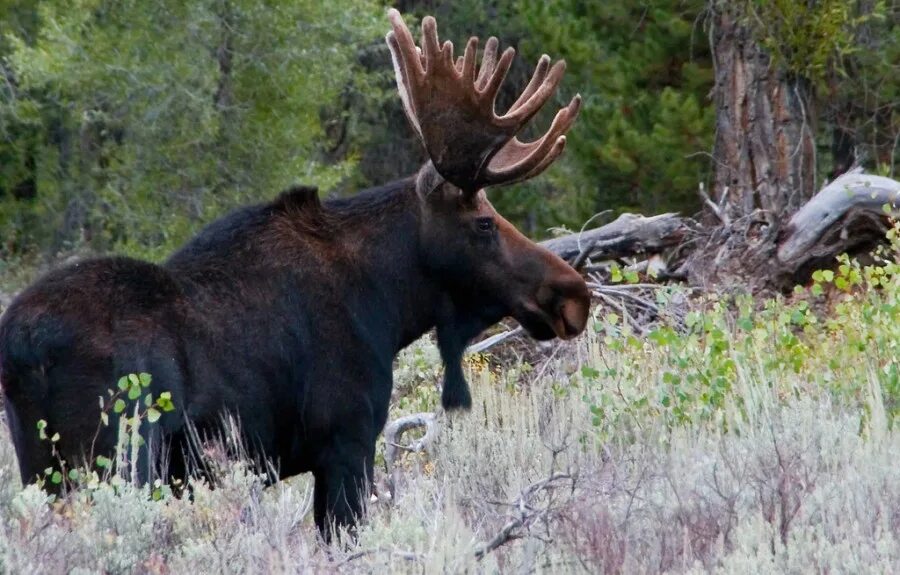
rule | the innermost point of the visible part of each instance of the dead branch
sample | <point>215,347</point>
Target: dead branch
<point>717,209</point>
<point>405,555</point>
<point>392,434</point>
<point>524,511</point>
<point>490,342</point>
<point>846,213</point>
<point>759,252</point>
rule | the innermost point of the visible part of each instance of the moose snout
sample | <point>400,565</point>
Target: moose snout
<point>564,303</point>
<point>574,305</point>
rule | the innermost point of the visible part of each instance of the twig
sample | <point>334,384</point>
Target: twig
<point>493,340</point>
<point>716,209</point>
<point>639,301</point>
<point>583,255</point>
<point>405,555</point>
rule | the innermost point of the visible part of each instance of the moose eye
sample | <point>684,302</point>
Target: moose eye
<point>485,225</point>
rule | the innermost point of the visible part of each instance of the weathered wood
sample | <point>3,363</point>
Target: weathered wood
<point>628,235</point>
<point>395,429</point>
<point>760,252</point>
<point>764,152</point>
<point>852,205</point>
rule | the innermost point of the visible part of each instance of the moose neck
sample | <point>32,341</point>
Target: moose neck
<point>387,221</point>
<point>379,229</point>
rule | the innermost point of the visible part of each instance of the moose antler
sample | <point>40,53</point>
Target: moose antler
<point>452,109</point>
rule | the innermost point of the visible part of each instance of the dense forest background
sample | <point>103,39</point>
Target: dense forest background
<point>127,125</point>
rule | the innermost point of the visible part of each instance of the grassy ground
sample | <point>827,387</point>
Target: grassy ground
<point>746,439</point>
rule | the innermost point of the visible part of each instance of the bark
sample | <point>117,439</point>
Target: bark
<point>764,154</point>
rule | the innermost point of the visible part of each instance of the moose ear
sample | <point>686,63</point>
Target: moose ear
<point>432,187</point>
<point>299,197</point>
<point>429,181</point>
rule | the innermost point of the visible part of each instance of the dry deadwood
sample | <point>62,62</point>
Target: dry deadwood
<point>525,510</point>
<point>405,555</point>
<point>493,340</point>
<point>628,235</point>
<point>846,214</point>
<point>760,253</point>
<point>393,433</point>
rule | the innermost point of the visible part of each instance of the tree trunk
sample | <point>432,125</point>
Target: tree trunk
<point>764,156</point>
<point>764,150</point>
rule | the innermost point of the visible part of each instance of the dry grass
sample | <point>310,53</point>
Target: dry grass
<point>792,470</point>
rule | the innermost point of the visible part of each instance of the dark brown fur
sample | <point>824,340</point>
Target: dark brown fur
<point>288,315</point>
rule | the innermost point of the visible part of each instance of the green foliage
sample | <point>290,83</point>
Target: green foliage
<point>140,407</point>
<point>810,38</point>
<point>645,72</point>
<point>418,370</point>
<point>127,125</point>
<point>144,119</point>
<point>836,338</point>
<point>848,53</point>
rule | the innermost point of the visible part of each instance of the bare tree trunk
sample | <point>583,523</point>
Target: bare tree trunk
<point>764,155</point>
<point>764,150</point>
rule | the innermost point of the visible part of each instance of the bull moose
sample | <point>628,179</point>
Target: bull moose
<point>289,314</point>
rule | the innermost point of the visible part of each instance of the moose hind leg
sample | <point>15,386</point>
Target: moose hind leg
<point>343,483</point>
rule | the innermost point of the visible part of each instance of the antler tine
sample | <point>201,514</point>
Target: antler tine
<point>492,86</point>
<point>488,63</point>
<point>540,73</point>
<point>517,160</point>
<point>430,45</point>
<point>539,90</point>
<point>404,44</point>
<point>447,52</point>
<point>554,153</point>
<point>465,64</point>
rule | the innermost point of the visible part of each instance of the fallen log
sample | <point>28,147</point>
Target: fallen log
<point>761,252</point>
<point>628,235</point>
<point>852,211</point>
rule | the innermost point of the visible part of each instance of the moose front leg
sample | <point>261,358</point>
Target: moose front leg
<point>343,483</point>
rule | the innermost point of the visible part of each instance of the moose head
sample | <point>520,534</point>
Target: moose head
<point>489,270</point>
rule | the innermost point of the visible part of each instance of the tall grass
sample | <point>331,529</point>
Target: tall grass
<point>749,439</point>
